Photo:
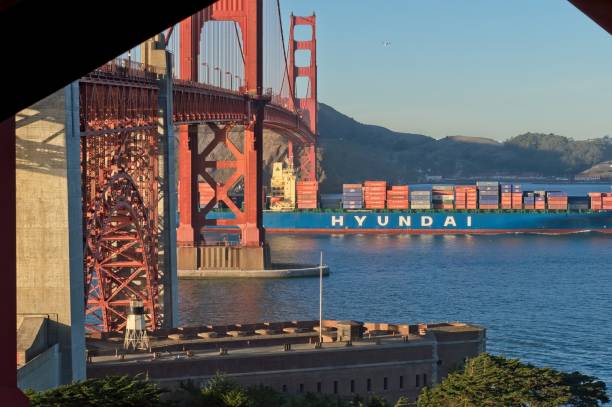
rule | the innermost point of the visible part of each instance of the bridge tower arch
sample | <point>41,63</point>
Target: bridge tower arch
<point>307,102</point>
<point>248,15</point>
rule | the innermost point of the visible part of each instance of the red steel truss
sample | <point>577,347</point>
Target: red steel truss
<point>119,120</point>
<point>121,218</point>
<point>118,96</point>
<point>221,136</point>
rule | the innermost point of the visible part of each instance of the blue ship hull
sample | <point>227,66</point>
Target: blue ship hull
<point>445,222</point>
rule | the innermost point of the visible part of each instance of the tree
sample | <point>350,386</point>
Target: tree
<point>120,391</point>
<point>376,401</point>
<point>586,391</point>
<point>223,392</point>
<point>494,380</point>
<point>403,402</point>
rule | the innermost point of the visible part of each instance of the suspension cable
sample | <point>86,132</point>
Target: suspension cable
<point>239,42</point>
<point>280,23</point>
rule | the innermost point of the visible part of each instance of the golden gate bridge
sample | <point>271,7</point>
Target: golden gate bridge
<point>227,67</point>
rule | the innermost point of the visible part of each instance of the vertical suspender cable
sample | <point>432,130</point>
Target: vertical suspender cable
<point>229,54</point>
<point>216,45</point>
<point>239,40</point>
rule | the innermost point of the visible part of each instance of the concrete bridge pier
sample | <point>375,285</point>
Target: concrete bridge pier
<point>154,54</point>
<point>49,216</point>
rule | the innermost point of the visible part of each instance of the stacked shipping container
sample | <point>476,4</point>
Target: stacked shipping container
<point>517,196</point>
<point>375,194</point>
<point>420,199</point>
<point>506,196</point>
<point>207,193</point>
<point>556,200</point>
<point>596,202</point>
<point>352,196</point>
<point>529,200</point>
<point>397,197</point>
<point>307,194</point>
<point>540,200</point>
<point>606,201</point>
<point>443,196</point>
<point>483,195</point>
<point>466,197</point>
<point>601,200</point>
<point>488,194</point>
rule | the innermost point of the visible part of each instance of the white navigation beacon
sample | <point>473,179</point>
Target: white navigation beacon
<point>136,327</point>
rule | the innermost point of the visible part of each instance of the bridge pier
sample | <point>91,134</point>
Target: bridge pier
<point>224,257</point>
<point>169,193</point>
<point>252,230</point>
<point>49,233</point>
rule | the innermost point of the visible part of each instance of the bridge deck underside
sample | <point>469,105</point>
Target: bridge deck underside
<point>114,98</point>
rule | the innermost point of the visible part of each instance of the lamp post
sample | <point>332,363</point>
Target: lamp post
<point>321,299</point>
<point>220,78</point>
<point>231,79</point>
<point>207,72</point>
<point>238,82</point>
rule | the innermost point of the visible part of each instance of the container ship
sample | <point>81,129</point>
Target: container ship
<point>488,207</point>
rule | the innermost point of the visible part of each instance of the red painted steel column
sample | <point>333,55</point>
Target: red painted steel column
<point>188,52</point>
<point>196,222</point>
<point>252,231</point>
<point>308,163</point>
<point>184,234</point>
<point>10,395</point>
<point>290,152</point>
<point>308,104</point>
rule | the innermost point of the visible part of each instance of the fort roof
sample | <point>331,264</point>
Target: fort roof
<point>265,338</point>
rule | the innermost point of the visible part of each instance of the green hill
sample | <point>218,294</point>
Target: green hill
<point>350,151</point>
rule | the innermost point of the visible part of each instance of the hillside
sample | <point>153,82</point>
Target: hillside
<point>349,151</point>
<point>352,151</point>
<point>602,170</point>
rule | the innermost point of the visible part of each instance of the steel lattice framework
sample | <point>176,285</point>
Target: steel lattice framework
<point>120,206</point>
<point>120,143</point>
<point>119,147</point>
<point>119,159</point>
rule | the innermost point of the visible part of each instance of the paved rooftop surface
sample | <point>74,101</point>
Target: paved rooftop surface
<point>194,347</point>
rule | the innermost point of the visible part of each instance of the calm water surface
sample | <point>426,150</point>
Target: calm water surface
<point>545,299</point>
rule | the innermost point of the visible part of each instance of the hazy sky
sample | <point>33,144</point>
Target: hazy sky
<point>492,68</point>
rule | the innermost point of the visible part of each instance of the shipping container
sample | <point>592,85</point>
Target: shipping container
<point>307,194</point>
<point>206,193</point>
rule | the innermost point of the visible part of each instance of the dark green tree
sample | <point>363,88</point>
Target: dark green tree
<point>376,401</point>
<point>119,391</point>
<point>403,402</point>
<point>586,391</point>
<point>489,380</point>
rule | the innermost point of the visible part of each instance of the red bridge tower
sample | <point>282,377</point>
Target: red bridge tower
<point>307,105</point>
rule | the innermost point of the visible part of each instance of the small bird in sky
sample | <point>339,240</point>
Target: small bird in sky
<point>386,43</point>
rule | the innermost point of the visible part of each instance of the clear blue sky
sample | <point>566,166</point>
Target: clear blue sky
<point>490,68</point>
